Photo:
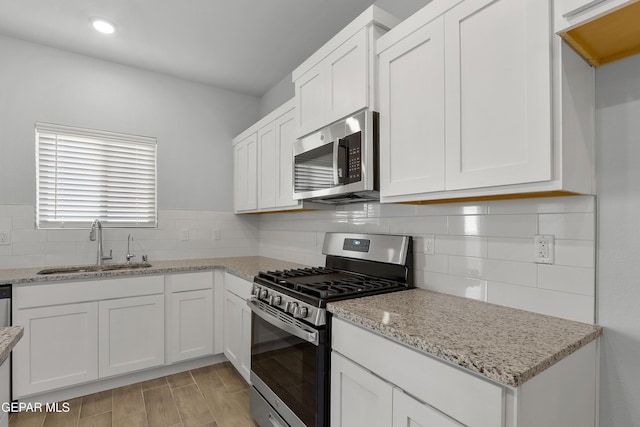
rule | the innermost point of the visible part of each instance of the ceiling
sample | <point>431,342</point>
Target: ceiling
<point>242,45</point>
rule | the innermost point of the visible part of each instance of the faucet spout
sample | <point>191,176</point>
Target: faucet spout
<point>96,234</point>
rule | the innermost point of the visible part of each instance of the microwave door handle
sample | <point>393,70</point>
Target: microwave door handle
<point>336,145</point>
<point>342,161</point>
<point>309,336</point>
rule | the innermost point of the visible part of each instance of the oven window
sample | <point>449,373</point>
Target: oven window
<point>288,366</point>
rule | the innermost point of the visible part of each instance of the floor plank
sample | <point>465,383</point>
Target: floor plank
<point>207,378</point>
<point>160,407</point>
<point>65,419</point>
<point>127,401</point>
<point>138,419</point>
<point>96,404</point>
<point>180,380</point>
<point>226,411</point>
<point>28,419</point>
<point>192,407</point>
<point>102,420</point>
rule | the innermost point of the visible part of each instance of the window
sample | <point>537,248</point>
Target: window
<point>85,174</point>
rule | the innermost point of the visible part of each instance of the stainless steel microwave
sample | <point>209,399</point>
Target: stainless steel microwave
<point>339,163</point>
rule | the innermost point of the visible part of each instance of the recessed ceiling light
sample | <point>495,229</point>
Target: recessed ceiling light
<point>103,26</point>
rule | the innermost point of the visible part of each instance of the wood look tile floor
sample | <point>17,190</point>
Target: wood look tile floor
<point>213,396</point>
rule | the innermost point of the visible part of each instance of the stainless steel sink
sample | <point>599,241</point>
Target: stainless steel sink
<point>95,268</point>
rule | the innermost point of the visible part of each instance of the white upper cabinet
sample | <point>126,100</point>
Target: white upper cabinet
<point>263,164</point>
<point>479,99</point>
<point>339,79</point>
<point>245,166</point>
<point>412,98</point>
<point>498,93</point>
<point>571,13</point>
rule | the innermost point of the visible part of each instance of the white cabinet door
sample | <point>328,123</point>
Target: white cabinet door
<point>245,157</point>
<point>131,332</point>
<point>191,324</point>
<point>412,137</point>
<point>311,100</point>
<point>285,137</point>
<point>267,166</point>
<point>408,412</point>
<point>59,348</point>
<point>358,398</point>
<point>347,77</point>
<point>237,333</point>
<point>498,93</point>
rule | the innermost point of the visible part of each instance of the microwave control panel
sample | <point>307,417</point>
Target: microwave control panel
<point>350,159</point>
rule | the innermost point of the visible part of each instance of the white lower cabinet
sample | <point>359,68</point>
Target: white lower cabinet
<point>378,382</point>
<point>358,398</point>
<point>59,347</point>
<point>131,332</point>
<point>409,412</point>
<point>5,391</point>
<point>237,324</point>
<point>190,315</point>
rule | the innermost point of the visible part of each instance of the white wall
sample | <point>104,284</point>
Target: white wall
<point>483,250</point>
<point>193,123</point>
<point>618,178</point>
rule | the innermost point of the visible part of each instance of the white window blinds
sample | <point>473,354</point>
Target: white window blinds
<point>86,174</point>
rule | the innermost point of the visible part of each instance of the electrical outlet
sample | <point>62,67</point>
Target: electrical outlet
<point>5,237</point>
<point>429,244</point>
<point>184,235</point>
<point>544,248</point>
<point>216,234</point>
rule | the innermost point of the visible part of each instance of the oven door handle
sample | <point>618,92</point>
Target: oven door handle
<point>303,334</point>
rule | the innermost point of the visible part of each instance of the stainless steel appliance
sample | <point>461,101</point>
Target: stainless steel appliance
<point>5,317</point>
<point>338,164</point>
<point>290,340</point>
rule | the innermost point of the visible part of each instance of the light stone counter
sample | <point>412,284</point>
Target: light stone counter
<point>9,337</point>
<point>504,344</point>
<point>244,267</point>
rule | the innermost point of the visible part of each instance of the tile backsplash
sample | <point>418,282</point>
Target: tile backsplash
<point>238,236</point>
<point>483,250</point>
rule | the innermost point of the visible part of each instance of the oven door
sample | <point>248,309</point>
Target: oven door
<point>288,368</point>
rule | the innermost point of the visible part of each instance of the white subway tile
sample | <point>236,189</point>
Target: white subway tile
<point>461,245</point>
<point>69,235</point>
<point>369,225</point>
<point>22,261</point>
<point>5,223</point>
<point>520,273</point>
<point>467,266</point>
<point>386,210</point>
<point>580,308</point>
<point>28,236</point>
<point>459,286</point>
<point>576,253</point>
<point>569,226</point>
<point>24,223</point>
<point>435,263</point>
<point>466,208</point>
<point>27,211</point>
<point>493,226</point>
<point>513,249</point>
<point>420,225</point>
<point>543,205</point>
<point>576,280</point>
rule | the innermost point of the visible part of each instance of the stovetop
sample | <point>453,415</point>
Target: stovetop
<point>319,285</point>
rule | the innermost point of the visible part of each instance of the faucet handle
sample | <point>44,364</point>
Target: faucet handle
<point>129,256</point>
<point>104,258</point>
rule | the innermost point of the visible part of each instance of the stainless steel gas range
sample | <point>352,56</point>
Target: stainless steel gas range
<point>291,340</point>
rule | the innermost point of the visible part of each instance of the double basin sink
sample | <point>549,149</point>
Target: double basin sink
<point>95,268</point>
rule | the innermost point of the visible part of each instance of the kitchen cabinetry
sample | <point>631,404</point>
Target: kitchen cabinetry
<point>237,324</point>
<point>59,347</point>
<point>5,391</point>
<point>263,181</point>
<point>467,111</point>
<point>191,315</point>
<point>339,78</point>
<point>245,184</point>
<point>386,384</point>
<point>131,334</point>
<point>571,13</point>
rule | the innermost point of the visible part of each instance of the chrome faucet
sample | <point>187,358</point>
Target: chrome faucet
<point>129,255</point>
<point>97,225</point>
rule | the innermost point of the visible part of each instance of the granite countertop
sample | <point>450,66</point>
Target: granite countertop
<point>504,344</point>
<point>244,267</point>
<point>9,337</point>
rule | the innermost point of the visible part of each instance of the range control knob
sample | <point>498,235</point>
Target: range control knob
<point>264,294</point>
<point>275,300</point>
<point>256,292</point>
<point>293,308</point>
<point>301,312</point>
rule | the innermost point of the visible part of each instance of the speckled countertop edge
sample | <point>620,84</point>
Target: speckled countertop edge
<point>244,267</point>
<point>9,337</point>
<point>504,344</point>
